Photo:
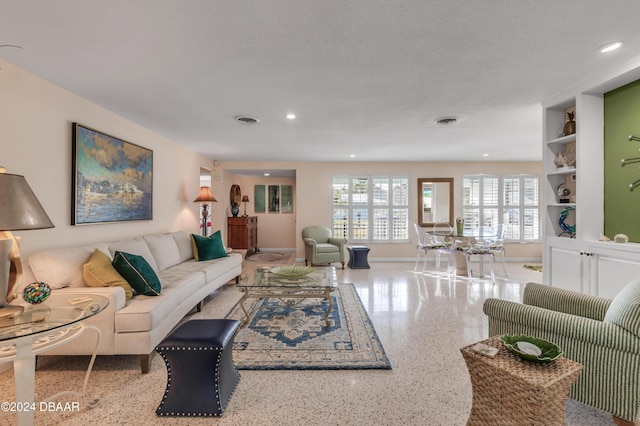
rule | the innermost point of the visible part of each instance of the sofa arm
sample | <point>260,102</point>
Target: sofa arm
<point>337,242</point>
<point>567,301</point>
<point>516,318</point>
<point>309,242</point>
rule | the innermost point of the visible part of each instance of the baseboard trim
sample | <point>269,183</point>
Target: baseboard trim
<point>413,259</point>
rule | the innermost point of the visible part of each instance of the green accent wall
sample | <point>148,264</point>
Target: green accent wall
<point>621,118</point>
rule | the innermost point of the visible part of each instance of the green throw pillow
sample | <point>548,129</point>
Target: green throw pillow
<point>137,272</point>
<point>208,248</point>
<point>625,308</point>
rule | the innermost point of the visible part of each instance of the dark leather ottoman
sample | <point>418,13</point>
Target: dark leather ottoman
<point>201,375</point>
<point>358,257</point>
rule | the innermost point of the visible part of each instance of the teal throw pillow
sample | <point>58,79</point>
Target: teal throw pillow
<point>138,273</point>
<point>208,248</point>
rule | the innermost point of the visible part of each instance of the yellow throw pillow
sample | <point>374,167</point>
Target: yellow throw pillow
<point>99,272</point>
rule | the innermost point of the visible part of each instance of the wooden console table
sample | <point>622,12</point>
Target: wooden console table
<point>242,233</point>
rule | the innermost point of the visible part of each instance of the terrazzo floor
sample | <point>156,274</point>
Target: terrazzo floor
<point>421,319</point>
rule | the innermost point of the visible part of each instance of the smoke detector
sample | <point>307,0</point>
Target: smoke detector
<point>446,121</point>
<point>245,119</point>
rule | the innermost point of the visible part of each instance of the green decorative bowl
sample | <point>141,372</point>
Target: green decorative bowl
<point>291,271</point>
<point>531,348</point>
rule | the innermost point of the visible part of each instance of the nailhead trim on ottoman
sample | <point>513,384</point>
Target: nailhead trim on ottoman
<point>201,376</point>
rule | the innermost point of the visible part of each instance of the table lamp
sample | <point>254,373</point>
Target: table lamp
<point>245,200</point>
<point>20,210</point>
<point>205,197</point>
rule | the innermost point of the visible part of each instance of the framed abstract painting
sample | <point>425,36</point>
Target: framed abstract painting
<point>112,179</point>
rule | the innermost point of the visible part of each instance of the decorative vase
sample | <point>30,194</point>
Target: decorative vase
<point>459,227</point>
<point>36,293</point>
<point>570,125</point>
<point>235,209</point>
<point>569,128</point>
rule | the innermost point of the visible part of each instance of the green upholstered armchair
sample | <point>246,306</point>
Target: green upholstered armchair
<point>601,334</point>
<point>320,247</point>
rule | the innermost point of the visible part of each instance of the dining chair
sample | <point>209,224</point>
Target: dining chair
<point>498,244</point>
<point>426,242</point>
<point>481,247</point>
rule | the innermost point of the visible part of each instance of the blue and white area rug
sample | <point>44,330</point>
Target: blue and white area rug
<point>282,337</point>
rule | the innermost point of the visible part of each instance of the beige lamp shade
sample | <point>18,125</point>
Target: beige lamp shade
<point>205,196</point>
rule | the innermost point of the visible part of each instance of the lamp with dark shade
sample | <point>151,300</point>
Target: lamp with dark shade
<point>20,210</point>
<point>205,197</point>
<point>245,200</point>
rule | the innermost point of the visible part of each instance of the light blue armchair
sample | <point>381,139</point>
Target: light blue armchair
<point>320,247</point>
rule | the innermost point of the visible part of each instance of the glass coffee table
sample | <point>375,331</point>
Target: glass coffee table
<point>40,328</point>
<point>318,284</point>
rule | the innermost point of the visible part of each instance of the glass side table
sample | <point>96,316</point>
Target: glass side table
<point>38,329</point>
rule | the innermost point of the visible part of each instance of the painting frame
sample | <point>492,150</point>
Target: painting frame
<point>259,199</point>
<point>112,179</point>
<point>274,199</point>
<point>286,198</point>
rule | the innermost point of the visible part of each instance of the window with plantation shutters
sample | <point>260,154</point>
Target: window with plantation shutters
<point>371,208</point>
<point>489,200</point>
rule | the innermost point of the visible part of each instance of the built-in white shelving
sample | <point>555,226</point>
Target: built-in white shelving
<point>582,263</point>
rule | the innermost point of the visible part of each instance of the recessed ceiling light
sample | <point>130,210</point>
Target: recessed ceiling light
<point>291,116</point>
<point>610,47</point>
<point>485,155</point>
<point>445,121</point>
<point>352,155</point>
<point>267,174</point>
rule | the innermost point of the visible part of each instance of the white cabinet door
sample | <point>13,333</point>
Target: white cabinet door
<point>568,266</point>
<point>611,270</point>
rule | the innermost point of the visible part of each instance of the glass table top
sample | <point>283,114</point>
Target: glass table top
<point>45,317</point>
<point>318,278</point>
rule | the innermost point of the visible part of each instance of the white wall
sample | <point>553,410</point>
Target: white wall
<point>313,193</point>
<point>35,141</point>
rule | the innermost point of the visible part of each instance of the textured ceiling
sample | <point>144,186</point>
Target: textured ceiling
<point>364,77</point>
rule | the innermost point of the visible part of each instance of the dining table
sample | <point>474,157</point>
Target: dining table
<point>467,239</point>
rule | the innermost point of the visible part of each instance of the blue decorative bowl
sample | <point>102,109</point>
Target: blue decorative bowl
<point>36,293</point>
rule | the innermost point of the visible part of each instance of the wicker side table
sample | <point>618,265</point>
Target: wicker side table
<point>508,390</point>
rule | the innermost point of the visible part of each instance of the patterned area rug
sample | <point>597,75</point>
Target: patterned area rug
<point>270,256</point>
<point>537,268</point>
<point>283,337</point>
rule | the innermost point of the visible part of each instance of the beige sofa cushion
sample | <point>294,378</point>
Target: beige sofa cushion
<point>144,313</point>
<point>164,250</point>
<point>63,267</point>
<point>183,241</point>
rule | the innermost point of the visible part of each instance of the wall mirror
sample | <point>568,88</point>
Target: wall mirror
<point>235,195</point>
<point>435,201</point>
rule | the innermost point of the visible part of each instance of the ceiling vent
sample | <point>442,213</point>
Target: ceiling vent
<point>244,119</point>
<point>446,121</point>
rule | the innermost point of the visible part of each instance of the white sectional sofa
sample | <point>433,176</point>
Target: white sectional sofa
<point>137,325</point>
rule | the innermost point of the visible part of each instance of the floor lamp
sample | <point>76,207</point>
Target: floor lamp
<point>205,197</point>
<point>19,210</point>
